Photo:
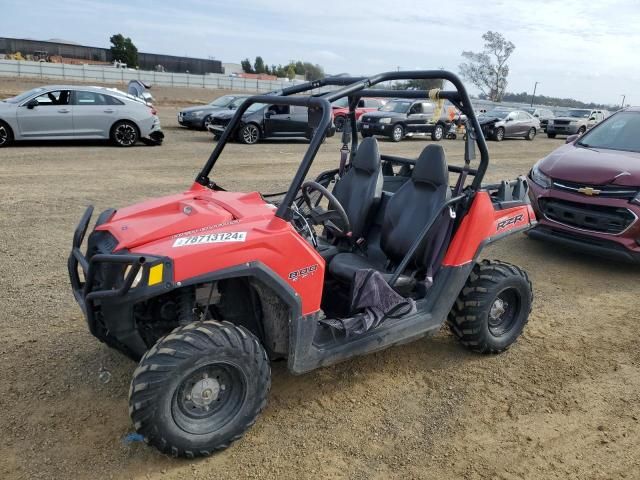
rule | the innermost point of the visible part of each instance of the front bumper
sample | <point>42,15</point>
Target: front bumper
<point>190,122</point>
<point>563,129</point>
<point>376,128</point>
<point>622,245</point>
<point>109,308</point>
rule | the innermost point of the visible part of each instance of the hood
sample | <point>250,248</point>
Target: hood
<point>592,166</point>
<point>380,114</point>
<point>205,108</point>
<point>489,120</point>
<point>196,210</point>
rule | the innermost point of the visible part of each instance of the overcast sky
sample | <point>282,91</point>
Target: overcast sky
<point>575,48</point>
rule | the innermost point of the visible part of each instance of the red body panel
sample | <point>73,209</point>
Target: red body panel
<point>155,227</point>
<point>481,223</point>
<point>342,112</point>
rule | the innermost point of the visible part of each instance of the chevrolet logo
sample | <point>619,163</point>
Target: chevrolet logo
<point>589,191</point>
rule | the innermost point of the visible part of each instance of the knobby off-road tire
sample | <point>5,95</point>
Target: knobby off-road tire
<point>493,307</point>
<point>199,388</point>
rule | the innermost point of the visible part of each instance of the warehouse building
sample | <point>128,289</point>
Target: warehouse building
<point>147,61</point>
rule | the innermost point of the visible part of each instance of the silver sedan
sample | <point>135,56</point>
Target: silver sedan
<point>63,112</point>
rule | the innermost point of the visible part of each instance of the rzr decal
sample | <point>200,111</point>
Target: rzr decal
<point>509,221</point>
<point>223,237</point>
<point>303,272</point>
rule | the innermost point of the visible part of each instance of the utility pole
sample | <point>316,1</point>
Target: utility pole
<point>534,92</point>
<point>623,97</point>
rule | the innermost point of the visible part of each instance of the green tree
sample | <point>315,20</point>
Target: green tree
<point>299,67</point>
<point>258,65</point>
<point>313,72</point>
<point>246,66</point>
<point>124,50</point>
<point>291,72</point>
<point>488,70</point>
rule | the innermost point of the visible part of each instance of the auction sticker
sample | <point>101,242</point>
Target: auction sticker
<point>224,237</point>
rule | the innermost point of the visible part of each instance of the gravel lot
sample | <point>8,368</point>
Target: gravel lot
<point>563,403</point>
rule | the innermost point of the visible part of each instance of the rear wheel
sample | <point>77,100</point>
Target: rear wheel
<point>499,135</point>
<point>397,133</point>
<point>199,388</point>
<point>339,123</point>
<point>124,133</point>
<point>531,134</point>
<point>6,135</point>
<point>551,135</point>
<point>438,132</point>
<point>249,134</point>
<point>493,307</point>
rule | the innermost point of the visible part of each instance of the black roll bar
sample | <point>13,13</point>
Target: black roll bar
<point>354,88</point>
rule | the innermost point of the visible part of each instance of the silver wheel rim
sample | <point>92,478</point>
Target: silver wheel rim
<point>438,133</point>
<point>4,135</point>
<point>125,134</point>
<point>397,133</point>
<point>500,134</point>
<point>250,134</point>
<point>532,134</point>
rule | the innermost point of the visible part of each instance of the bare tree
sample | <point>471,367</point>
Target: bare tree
<point>488,70</point>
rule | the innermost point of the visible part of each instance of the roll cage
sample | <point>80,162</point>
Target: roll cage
<point>355,88</point>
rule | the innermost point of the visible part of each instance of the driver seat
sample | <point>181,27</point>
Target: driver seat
<point>359,191</point>
<point>407,213</point>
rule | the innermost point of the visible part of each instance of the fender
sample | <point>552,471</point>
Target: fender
<point>483,224</point>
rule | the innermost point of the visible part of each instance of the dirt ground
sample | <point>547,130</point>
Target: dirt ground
<point>563,403</point>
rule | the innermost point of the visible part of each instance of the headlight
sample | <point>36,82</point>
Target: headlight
<point>540,178</point>
<point>385,120</point>
<point>198,113</point>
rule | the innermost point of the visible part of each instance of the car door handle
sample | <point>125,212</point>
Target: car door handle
<point>108,110</point>
<point>64,110</point>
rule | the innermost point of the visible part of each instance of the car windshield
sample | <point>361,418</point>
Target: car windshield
<point>341,103</point>
<point>530,110</point>
<point>618,132</point>
<point>496,114</point>
<point>237,102</point>
<point>255,107</point>
<point>24,96</point>
<point>223,101</point>
<point>578,113</point>
<point>396,106</point>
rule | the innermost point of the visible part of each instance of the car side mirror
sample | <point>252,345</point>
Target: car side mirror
<point>31,104</point>
<point>592,118</point>
<point>537,115</point>
<point>572,138</point>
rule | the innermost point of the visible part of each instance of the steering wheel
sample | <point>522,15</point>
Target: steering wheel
<point>334,219</point>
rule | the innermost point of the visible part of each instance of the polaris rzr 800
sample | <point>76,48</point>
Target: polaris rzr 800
<point>205,287</point>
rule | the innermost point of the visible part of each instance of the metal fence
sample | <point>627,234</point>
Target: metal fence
<point>106,74</point>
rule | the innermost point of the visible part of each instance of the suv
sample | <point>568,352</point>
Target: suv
<point>402,117</point>
<point>365,105</point>
<point>199,116</point>
<point>576,120</point>
<point>542,114</point>
<point>266,121</point>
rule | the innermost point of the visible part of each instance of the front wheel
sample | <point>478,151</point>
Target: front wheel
<point>531,134</point>
<point>249,134</point>
<point>499,135</point>
<point>551,135</point>
<point>199,388</point>
<point>438,133</point>
<point>397,133</point>
<point>493,307</point>
<point>124,134</point>
<point>6,135</point>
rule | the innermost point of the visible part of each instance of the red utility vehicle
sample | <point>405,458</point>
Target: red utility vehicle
<point>205,287</point>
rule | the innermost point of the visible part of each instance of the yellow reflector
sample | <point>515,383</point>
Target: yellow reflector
<point>155,274</point>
